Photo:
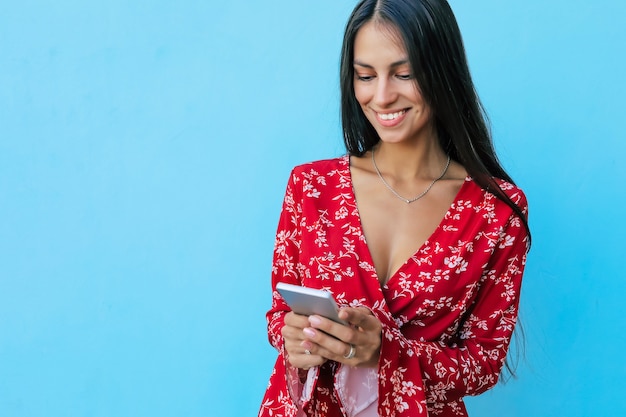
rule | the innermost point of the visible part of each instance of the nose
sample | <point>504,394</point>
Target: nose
<point>385,93</point>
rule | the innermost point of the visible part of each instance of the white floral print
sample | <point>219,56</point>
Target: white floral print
<point>447,314</point>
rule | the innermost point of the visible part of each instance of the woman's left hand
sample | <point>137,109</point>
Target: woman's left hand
<point>355,345</point>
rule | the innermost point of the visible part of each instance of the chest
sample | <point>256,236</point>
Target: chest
<point>428,292</point>
<point>382,247</point>
<point>394,230</point>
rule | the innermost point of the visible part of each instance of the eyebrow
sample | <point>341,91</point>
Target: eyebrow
<point>393,64</point>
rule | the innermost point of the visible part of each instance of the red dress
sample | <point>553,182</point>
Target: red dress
<point>447,314</point>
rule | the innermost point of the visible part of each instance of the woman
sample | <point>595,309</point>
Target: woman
<point>418,232</point>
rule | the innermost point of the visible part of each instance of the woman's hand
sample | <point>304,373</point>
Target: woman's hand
<point>293,334</point>
<point>355,345</point>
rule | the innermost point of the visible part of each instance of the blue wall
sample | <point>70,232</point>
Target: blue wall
<point>144,150</point>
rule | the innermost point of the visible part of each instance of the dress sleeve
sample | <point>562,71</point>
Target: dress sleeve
<point>285,262</point>
<point>471,363</point>
<point>285,259</point>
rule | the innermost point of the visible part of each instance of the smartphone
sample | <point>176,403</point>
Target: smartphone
<point>308,301</point>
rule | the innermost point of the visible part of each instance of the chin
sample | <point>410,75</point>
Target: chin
<point>397,138</point>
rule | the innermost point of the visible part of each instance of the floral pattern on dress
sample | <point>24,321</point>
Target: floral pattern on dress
<point>447,314</point>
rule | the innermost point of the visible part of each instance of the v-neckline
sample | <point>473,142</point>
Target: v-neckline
<point>431,238</point>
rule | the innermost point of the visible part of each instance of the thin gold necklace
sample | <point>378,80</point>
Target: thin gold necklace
<point>411,200</point>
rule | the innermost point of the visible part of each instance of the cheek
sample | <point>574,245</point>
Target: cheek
<point>361,95</point>
<point>417,97</point>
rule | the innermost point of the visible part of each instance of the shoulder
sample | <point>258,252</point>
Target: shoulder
<point>490,200</point>
<point>322,172</point>
<point>321,167</point>
<point>320,180</point>
<point>515,194</point>
<point>490,217</point>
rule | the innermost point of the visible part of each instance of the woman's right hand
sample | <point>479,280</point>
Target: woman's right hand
<point>295,344</point>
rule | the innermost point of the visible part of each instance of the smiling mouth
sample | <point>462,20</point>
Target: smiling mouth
<point>391,120</point>
<point>391,116</point>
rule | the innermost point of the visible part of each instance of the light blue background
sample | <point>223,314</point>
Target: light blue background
<point>144,151</point>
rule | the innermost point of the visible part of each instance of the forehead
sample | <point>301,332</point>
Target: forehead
<point>376,41</point>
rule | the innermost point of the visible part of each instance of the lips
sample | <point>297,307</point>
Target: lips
<point>391,119</point>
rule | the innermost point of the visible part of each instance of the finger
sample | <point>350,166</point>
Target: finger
<point>291,333</point>
<point>296,320</point>
<point>329,328</point>
<point>307,362</point>
<point>293,325</point>
<point>302,357</point>
<point>360,317</point>
<point>304,361</point>
<point>356,345</point>
<point>363,352</point>
<point>320,343</point>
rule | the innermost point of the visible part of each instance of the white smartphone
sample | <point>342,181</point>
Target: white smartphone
<point>308,301</point>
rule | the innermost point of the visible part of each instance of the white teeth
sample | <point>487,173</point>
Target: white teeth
<point>391,116</point>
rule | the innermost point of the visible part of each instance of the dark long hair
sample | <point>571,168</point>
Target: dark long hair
<point>436,54</point>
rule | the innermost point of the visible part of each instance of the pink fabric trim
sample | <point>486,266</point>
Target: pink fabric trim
<point>357,389</point>
<point>301,392</point>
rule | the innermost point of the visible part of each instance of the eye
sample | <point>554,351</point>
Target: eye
<point>404,77</point>
<point>364,77</point>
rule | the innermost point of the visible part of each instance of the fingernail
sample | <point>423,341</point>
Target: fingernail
<point>308,332</point>
<point>315,321</point>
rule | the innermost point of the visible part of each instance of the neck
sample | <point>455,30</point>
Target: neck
<point>410,161</point>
